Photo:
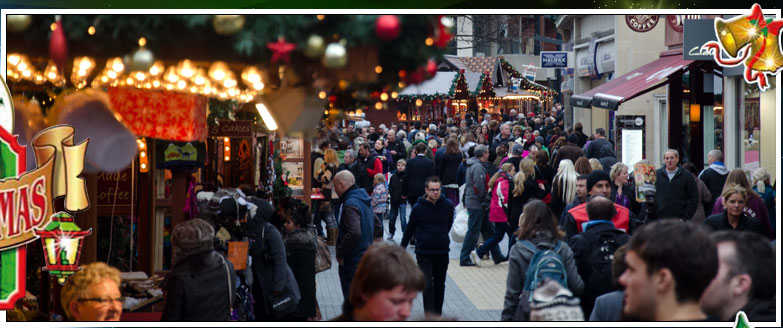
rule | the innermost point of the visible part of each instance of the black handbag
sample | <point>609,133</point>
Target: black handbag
<point>284,305</point>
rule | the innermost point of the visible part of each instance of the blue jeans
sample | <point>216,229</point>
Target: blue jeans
<point>393,213</point>
<point>346,272</point>
<point>476,225</point>
<point>501,228</point>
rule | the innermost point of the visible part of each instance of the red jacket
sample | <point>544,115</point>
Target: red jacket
<point>377,167</point>
<point>620,220</point>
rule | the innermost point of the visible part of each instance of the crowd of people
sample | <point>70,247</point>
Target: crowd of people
<point>699,249</point>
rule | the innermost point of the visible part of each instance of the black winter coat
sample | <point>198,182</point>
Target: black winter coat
<point>677,198</point>
<point>447,170</point>
<point>395,188</point>
<point>270,268</point>
<point>517,203</point>
<point>197,289</point>
<point>430,224</point>
<point>300,254</point>
<point>418,170</point>
<point>359,172</point>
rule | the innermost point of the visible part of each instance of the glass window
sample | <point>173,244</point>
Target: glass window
<point>713,117</point>
<point>685,146</point>
<point>751,127</point>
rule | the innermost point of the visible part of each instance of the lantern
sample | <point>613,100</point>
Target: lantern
<point>62,243</point>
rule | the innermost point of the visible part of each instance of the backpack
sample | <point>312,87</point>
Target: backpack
<point>602,247</point>
<point>545,264</point>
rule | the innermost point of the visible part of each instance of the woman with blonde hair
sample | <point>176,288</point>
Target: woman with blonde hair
<point>525,188</point>
<point>538,228</point>
<point>595,164</point>
<point>733,217</point>
<point>500,184</point>
<point>762,187</point>
<point>622,192</point>
<point>93,294</point>
<point>754,205</point>
<point>563,186</point>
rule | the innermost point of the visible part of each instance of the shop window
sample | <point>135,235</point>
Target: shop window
<point>114,242</point>
<point>685,146</point>
<point>751,127</point>
<point>713,118</point>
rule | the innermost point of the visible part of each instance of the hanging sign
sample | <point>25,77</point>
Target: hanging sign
<point>228,128</point>
<point>641,23</point>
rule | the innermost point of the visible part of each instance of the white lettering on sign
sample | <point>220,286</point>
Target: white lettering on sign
<point>662,74</point>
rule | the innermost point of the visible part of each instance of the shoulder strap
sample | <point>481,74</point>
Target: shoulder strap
<point>228,279</point>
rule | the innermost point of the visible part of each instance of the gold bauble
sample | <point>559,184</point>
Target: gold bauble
<point>18,23</point>
<point>315,46</point>
<point>335,55</point>
<point>228,24</point>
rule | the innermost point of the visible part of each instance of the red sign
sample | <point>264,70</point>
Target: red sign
<point>225,128</point>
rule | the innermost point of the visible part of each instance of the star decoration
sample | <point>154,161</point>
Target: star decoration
<point>281,50</point>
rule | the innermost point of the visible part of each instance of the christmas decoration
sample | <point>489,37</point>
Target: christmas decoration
<point>432,68</point>
<point>281,49</point>
<point>335,55</point>
<point>315,46</point>
<point>228,24</point>
<point>141,60</point>
<point>62,241</point>
<point>280,187</point>
<point>485,88</point>
<point>745,35</point>
<point>459,89</point>
<point>161,115</point>
<point>58,50</point>
<point>448,23</point>
<point>442,34</point>
<point>387,27</point>
<point>18,23</point>
<point>525,83</point>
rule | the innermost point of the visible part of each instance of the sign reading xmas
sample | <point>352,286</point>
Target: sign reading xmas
<point>26,203</point>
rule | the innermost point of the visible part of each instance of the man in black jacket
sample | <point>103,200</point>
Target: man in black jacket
<point>357,169</point>
<point>418,170</point>
<point>594,148</point>
<point>395,146</point>
<point>398,200</point>
<point>745,274</point>
<point>430,222</point>
<point>675,189</point>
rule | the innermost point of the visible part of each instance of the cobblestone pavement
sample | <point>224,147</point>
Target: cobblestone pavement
<point>472,293</point>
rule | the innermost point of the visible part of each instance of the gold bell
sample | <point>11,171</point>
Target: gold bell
<point>738,32</point>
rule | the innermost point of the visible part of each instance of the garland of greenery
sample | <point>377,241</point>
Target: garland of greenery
<point>280,187</point>
<point>526,84</point>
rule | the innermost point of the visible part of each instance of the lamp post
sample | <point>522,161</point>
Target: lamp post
<point>62,243</point>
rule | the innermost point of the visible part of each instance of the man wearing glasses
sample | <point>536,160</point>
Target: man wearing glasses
<point>430,221</point>
<point>93,294</point>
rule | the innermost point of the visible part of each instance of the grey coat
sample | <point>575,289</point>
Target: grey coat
<point>608,307</point>
<point>475,183</point>
<point>518,261</point>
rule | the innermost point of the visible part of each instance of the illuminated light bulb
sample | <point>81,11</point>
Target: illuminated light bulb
<point>359,112</point>
<point>112,74</point>
<point>27,73</point>
<point>53,27</point>
<point>227,158</point>
<point>181,84</point>
<point>320,17</point>
<point>228,148</point>
<point>140,76</point>
<point>225,139</point>
<point>157,68</point>
<point>229,83</point>
<point>129,81</point>
<point>156,84</point>
<point>117,65</point>
<point>169,86</point>
<point>394,94</point>
<point>91,30</point>
<point>326,112</point>
<point>199,80</point>
<point>22,66</point>
<point>322,95</point>
<point>419,102</point>
<point>752,31</point>
<point>13,59</point>
<point>186,69</point>
<point>143,154</point>
<point>143,166</point>
<point>258,85</point>
<point>384,96</point>
<point>378,69</point>
<point>142,41</point>
<point>401,85</point>
<point>233,92</point>
<point>171,75</point>
<point>378,105</point>
<point>217,71</point>
<point>193,89</point>
<point>428,41</point>
<point>223,95</point>
<point>251,75</point>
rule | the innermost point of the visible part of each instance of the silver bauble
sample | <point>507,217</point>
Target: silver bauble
<point>228,24</point>
<point>335,55</point>
<point>315,46</point>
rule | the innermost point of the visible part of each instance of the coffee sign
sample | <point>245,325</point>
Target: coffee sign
<point>641,23</point>
<point>226,128</point>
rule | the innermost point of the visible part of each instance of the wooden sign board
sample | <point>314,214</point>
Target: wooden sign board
<point>237,129</point>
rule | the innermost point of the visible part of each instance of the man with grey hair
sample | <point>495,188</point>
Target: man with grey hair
<point>503,137</point>
<point>715,175</point>
<point>474,196</point>
<point>675,189</point>
<point>395,146</point>
<point>351,164</point>
<point>356,227</point>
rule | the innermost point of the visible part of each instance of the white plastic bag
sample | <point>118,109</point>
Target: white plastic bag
<point>460,226</point>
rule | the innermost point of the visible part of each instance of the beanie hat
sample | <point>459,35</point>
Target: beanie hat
<point>596,176</point>
<point>553,302</point>
<point>190,238</point>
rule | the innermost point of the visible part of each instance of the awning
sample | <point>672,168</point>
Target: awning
<point>643,79</point>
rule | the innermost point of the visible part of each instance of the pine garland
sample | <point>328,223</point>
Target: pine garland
<point>280,188</point>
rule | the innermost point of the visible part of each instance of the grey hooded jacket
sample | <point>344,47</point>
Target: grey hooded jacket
<point>475,183</point>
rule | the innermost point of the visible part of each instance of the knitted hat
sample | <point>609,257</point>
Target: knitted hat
<point>190,238</point>
<point>596,176</point>
<point>552,302</point>
<point>517,149</point>
<point>540,139</point>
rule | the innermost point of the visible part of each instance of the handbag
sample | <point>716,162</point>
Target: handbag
<point>284,305</point>
<point>323,259</point>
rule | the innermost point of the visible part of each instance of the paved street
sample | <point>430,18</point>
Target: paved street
<point>472,293</point>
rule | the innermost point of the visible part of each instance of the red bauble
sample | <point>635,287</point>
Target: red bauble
<point>415,77</point>
<point>58,49</point>
<point>432,67</point>
<point>387,27</point>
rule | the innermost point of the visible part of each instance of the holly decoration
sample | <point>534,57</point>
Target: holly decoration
<point>281,50</point>
<point>387,27</point>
